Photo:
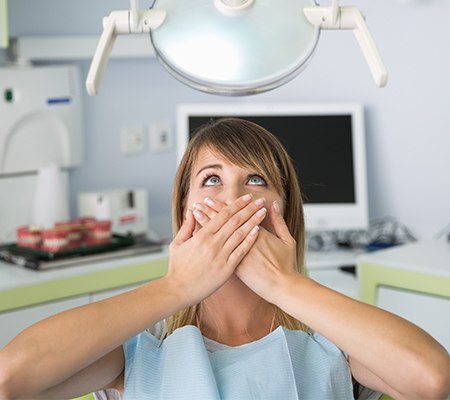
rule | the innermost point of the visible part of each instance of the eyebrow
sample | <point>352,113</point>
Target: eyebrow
<point>215,166</point>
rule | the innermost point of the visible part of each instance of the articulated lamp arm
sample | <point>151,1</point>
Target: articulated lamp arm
<point>335,17</point>
<point>119,23</point>
<point>101,56</point>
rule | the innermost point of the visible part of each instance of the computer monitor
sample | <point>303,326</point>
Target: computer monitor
<point>326,144</point>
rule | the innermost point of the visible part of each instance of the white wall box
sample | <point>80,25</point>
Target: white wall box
<point>41,118</point>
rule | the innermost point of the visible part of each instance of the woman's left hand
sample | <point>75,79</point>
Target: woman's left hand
<point>272,259</point>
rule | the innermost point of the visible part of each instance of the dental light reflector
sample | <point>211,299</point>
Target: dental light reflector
<point>234,47</point>
<point>254,49</point>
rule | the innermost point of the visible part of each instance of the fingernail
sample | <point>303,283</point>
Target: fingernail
<point>247,197</point>
<point>198,215</point>
<point>260,201</point>
<point>261,212</point>
<point>199,206</point>
<point>210,202</point>
<point>254,230</point>
<point>276,207</point>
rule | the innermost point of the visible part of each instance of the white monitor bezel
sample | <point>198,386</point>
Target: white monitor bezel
<point>319,217</point>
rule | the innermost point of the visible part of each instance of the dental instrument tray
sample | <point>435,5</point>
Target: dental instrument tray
<point>120,246</point>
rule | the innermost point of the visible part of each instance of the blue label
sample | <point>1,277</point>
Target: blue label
<point>59,100</point>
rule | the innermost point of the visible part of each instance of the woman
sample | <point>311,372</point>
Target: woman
<point>234,318</point>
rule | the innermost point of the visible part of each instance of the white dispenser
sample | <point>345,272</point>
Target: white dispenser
<point>51,202</point>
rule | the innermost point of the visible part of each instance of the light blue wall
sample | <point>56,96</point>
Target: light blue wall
<point>408,123</point>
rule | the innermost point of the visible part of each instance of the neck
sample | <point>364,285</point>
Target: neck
<point>235,314</point>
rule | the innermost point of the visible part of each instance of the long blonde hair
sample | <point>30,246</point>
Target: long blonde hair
<point>247,145</point>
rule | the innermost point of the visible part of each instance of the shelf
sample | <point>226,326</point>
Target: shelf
<point>60,48</point>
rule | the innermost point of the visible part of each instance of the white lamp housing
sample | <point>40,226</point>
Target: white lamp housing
<point>336,17</point>
<point>226,47</point>
<point>119,23</point>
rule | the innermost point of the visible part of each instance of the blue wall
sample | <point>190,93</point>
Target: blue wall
<point>408,123</point>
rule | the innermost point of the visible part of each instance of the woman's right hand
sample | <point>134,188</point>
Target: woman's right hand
<point>201,264</point>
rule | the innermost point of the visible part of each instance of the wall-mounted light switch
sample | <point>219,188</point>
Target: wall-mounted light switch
<point>132,140</point>
<point>161,137</point>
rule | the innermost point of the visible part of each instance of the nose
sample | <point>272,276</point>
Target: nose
<point>231,194</point>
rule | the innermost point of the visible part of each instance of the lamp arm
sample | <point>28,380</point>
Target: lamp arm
<point>334,9</point>
<point>101,56</point>
<point>119,23</point>
<point>351,18</point>
<point>134,14</point>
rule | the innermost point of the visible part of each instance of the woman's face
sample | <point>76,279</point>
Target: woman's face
<point>216,178</point>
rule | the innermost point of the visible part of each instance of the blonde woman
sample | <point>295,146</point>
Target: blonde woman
<point>234,317</point>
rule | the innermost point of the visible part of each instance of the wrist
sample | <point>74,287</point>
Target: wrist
<point>288,286</point>
<point>179,293</point>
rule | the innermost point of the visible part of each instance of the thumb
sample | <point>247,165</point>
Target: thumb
<point>279,224</point>
<point>186,229</point>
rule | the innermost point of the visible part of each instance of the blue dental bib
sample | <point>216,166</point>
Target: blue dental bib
<point>284,365</point>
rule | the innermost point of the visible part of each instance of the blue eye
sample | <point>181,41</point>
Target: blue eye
<point>258,177</point>
<point>214,180</point>
<point>215,177</point>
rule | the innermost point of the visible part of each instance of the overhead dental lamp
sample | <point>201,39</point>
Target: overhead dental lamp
<point>233,47</point>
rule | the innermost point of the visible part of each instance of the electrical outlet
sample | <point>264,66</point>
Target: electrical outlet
<point>132,140</point>
<point>161,137</point>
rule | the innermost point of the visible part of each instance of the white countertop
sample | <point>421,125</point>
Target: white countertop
<point>14,276</point>
<point>431,257</point>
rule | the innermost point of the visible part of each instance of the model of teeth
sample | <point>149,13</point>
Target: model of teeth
<point>56,242</point>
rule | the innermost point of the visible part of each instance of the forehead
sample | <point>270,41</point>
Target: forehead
<point>205,157</point>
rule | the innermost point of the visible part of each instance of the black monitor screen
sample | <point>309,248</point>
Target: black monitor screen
<point>320,147</point>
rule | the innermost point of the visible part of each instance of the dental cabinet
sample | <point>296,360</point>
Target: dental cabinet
<point>412,281</point>
<point>28,296</point>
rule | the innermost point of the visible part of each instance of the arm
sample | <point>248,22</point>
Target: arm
<point>71,341</point>
<point>386,352</point>
<point>386,349</point>
<point>105,373</point>
<point>50,353</point>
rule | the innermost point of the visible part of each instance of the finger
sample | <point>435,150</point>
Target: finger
<point>237,220</point>
<point>215,204</point>
<point>197,228</point>
<point>279,223</point>
<point>186,229</point>
<point>244,247</point>
<point>201,217</point>
<point>205,209</point>
<point>227,213</point>
<point>241,233</point>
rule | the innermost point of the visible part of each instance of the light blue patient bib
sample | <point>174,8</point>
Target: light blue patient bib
<point>284,365</point>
